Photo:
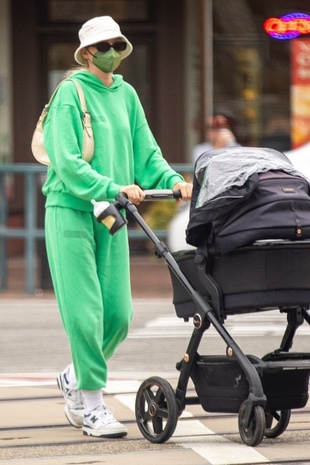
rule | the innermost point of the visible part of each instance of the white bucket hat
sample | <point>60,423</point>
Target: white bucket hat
<point>98,30</point>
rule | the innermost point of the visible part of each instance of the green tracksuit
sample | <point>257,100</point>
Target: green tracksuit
<point>90,268</point>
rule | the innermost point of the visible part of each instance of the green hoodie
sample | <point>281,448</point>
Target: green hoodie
<point>125,149</point>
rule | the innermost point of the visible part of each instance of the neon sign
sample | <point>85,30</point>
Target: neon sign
<point>288,26</point>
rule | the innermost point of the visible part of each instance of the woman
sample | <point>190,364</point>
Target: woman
<point>90,268</point>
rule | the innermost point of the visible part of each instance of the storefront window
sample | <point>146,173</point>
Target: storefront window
<point>80,10</point>
<point>253,73</point>
<point>60,60</point>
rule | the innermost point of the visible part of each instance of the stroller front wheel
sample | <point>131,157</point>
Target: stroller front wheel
<point>156,410</point>
<point>253,433</point>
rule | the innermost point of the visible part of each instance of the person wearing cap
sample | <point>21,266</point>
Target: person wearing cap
<point>220,132</point>
<point>89,267</point>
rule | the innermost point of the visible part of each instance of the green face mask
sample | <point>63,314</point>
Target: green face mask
<point>108,61</point>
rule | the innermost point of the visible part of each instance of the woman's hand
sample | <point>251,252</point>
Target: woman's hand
<point>185,188</point>
<point>134,193</point>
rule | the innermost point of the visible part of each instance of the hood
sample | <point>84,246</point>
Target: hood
<point>89,79</point>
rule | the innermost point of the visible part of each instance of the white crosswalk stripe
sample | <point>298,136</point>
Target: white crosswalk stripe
<point>271,323</point>
<point>193,434</point>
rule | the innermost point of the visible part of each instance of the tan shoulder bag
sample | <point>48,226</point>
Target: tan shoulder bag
<point>37,143</point>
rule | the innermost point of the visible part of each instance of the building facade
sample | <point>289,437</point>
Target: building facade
<point>192,58</point>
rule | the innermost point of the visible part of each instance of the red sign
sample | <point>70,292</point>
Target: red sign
<point>300,92</point>
<point>300,61</point>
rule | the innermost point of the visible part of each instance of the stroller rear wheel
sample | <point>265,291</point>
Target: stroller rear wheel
<point>276,423</point>
<point>253,433</point>
<point>156,410</point>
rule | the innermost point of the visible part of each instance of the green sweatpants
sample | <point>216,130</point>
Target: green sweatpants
<point>91,278</point>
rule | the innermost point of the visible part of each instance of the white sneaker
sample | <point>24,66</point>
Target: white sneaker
<point>101,423</point>
<point>74,408</point>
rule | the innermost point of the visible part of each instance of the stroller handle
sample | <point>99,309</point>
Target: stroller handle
<point>158,194</point>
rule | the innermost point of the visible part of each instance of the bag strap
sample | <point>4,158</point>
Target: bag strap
<point>86,114</point>
<point>88,143</point>
<point>80,93</point>
<point>46,107</point>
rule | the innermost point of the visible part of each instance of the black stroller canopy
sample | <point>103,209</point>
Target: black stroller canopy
<point>218,170</point>
<point>225,178</point>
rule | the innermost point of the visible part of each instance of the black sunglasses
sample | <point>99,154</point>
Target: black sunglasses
<point>105,46</point>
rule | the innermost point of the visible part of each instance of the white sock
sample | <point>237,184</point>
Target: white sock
<point>92,400</point>
<point>71,376</point>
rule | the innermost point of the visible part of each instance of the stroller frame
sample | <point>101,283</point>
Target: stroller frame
<point>158,405</point>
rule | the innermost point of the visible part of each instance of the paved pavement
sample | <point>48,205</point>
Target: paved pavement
<point>33,430</point>
<point>33,347</point>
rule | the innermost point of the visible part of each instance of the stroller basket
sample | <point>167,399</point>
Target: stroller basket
<point>252,278</point>
<point>221,384</point>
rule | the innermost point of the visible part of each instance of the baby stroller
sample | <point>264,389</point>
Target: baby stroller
<point>250,224</point>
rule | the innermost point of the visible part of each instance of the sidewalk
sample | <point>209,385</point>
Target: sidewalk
<point>38,432</point>
<point>33,428</point>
